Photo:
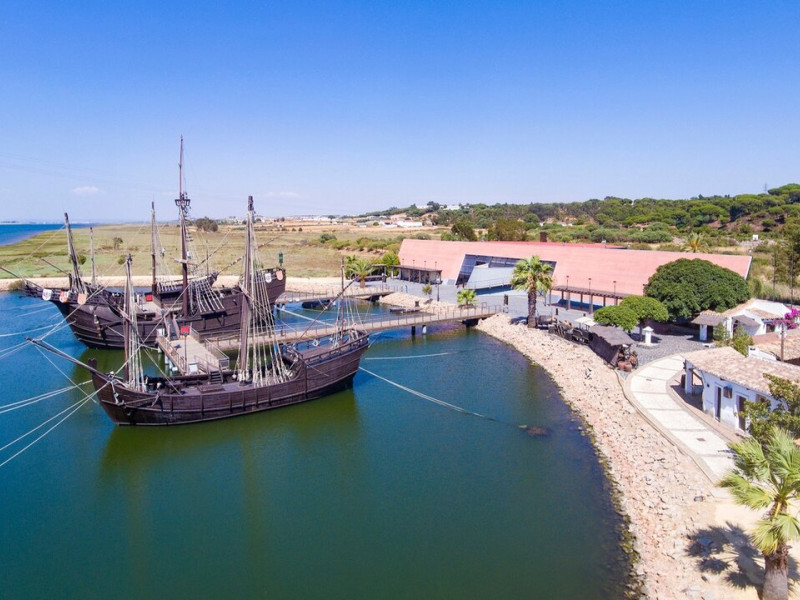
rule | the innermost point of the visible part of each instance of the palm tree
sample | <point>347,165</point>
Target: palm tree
<point>695,242</point>
<point>533,276</point>
<point>768,477</point>
<point>360,268</point>
<point>466,297</point>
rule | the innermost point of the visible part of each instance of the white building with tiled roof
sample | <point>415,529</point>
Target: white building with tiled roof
<point>755,316</point>
<point>727,380</point>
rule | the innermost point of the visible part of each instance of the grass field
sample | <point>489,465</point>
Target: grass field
<point>303,254</point>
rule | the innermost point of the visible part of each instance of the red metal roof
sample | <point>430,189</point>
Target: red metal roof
<point>605,265</point>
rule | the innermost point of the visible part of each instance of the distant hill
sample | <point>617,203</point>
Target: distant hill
<point>643,220</point>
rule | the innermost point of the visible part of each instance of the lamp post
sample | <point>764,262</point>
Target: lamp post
<point>569,296</point>
<point>782,335</point>
<point>591,298</point>
<point>615,292</point>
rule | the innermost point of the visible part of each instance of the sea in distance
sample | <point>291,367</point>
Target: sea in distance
<point>15,232</point>
<point>372,492</point>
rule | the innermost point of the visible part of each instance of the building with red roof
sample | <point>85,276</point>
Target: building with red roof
<point>601,272</point>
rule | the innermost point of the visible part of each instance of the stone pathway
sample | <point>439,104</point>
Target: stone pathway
<point>648,390</point>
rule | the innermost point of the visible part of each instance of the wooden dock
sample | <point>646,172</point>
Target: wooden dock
<point>370,293</point>
<point>191,355</point>
<point>413,320</point>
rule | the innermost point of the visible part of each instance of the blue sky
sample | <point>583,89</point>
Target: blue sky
<point>345,107</point>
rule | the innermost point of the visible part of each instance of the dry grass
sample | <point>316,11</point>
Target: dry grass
<point>303,254</point>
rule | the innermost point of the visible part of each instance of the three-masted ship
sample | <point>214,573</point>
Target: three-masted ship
<point>95,314</point>
<point>267,374</point>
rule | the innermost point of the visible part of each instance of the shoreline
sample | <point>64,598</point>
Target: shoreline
<point>297,284</point>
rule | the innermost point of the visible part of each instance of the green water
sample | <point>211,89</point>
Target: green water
<point>370,493</point>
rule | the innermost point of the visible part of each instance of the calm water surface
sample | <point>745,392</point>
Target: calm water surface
<point>369,493</point>
<point>14,232</point>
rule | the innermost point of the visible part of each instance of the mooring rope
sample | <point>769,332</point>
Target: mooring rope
<point>407,357</point>
<point>531,430</point>
<point>429,398</point>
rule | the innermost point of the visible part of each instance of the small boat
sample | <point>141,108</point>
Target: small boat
<point>321,304</point>
<point>266,376</point>
<point>95,314</point>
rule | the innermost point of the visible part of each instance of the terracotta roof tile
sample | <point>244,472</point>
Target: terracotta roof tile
<point>726,363</point>
<point>609,268</point>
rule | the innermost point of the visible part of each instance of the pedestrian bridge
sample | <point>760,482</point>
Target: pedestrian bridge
<point>421,318</point>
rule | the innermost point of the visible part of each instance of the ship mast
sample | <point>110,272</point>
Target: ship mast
<point>153,243</point>
<point>244,350</point>
<point>77,281</point>
<point>182,202</point>
<point>91,252</point>
<point>126,322</point>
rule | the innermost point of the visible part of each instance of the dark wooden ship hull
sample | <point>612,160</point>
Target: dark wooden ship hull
<point>321,371</point>
<point>99,323</point>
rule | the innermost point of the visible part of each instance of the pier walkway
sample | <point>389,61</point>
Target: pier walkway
<point>652,390</point>
<point>413,320</point>
<point>370,293</point>
<point>191,355</point>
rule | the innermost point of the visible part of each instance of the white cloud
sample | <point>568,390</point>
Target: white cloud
<point>86,190</point>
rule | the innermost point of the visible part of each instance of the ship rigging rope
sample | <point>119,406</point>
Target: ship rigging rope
<point>70,410</point>
<point>4,335</point>
<point>67,412</point>
<point>28,401</point>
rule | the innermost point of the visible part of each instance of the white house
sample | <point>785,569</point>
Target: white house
<point>755,316</point>
<point>727,380</point>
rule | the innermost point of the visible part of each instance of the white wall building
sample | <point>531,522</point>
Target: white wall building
<point>755,316</point>
<point>726,380</point>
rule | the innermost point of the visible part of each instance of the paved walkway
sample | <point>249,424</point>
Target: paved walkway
<point>648,388</point>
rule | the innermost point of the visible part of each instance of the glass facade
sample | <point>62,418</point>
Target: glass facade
<point>473,260</point>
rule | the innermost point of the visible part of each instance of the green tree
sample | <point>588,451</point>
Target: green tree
<point>206,224</point>
<point>767,478</point>
<point>510,230</point>
<point>617,316</point>
<point>741,341</point>
<point>427,289</point>
<point>761,418</point>
<point>466,297</point>
<point>687,287</point>
<point>117,242</point>
<point>721,335</point>
<point>462,230</point>
<point>645,308</point>
<point>534,277</point>
<point>81,259</point>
